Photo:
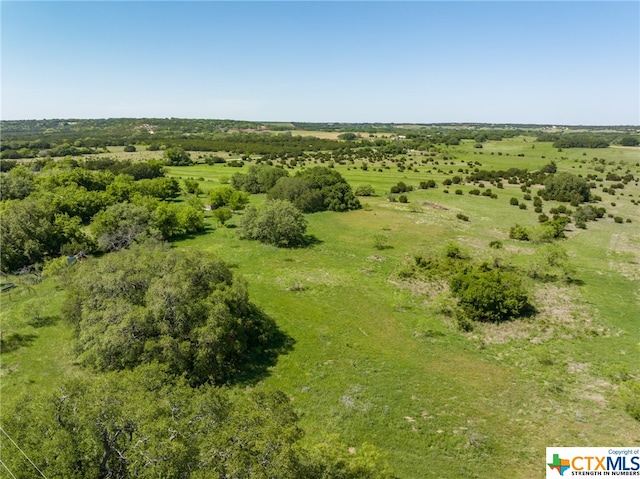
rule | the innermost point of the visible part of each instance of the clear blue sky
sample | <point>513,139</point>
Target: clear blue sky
<point>504,62</point>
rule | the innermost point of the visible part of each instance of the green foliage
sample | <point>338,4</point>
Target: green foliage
<point>454,251</point>
<point>566,187</point>
<point>492,295</point>
<point>401,187</point>
<point>229,197</point>
<point>629,141</point>
<point>580,141</point>
<point>258,179</point>
<point>119,225</point>
<point>381,241</point>
<point>520,233</point>
<point>278,223</point>
<point>161,188</point>
<point>222,214</point>
<point>146,424</point>
<point>316,189</point>
<point>31,231</point>
<point>365,190</point>
<point>192,187</point>
<point>152,304</point>
<point>176,156</point>
<point>631,398</point>
<point>18,183</point>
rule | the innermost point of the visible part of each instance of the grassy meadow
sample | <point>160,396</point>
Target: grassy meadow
<point>377,360</point>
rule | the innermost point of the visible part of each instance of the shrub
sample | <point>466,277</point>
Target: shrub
<point>518,232</point>
<point>403,199</point>
<point>496,244</point>
<point>278,223</point>
<point>566,187</point>
<point>462,217</point>
<point>228,196</point>
<point>492,295</point>
<point>365,190</point>
<point>222,214</point>
<point>454,251</point>
<point>618,219</point>
<point>458,192</point>
<point>514,201</point>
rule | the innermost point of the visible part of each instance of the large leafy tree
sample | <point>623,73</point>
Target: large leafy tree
<point>151,303</point>
<point>278,223</point>
<point>146,424</point>
<point>31,230</point>
<point>566,187</point>
<point>316,189</point>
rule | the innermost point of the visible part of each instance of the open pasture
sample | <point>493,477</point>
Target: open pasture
<point>377,360</point>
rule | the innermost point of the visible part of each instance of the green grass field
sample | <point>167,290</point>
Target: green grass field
<point>375,362</point>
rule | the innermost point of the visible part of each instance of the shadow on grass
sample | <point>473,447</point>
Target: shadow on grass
<point>310,240</point>
<point>264,352</point>
<point>14,341</point>
<point>205,231</point>
<point>42,321</point>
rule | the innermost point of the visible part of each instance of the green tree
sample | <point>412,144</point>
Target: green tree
<point>18,183</point>
<point>31,231</point>
<point>316,189</point>
<point>229,197</point>
<point>153,304</point>
<point>279,223</point>
<point>192,187</point>
<point>489,295</point>
<point>222,214</point>
<point>119,225</point>
<point>176,156</point>
<point>258,179</point>
<point>161,188</point>
<point>566,187</point>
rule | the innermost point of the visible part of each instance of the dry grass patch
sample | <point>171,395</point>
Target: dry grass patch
<point>560,314</point>
<point>624,255</point>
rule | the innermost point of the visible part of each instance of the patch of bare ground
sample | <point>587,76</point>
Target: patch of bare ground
<point>560,313</point>
<point>429,290</point>
<point>434,205</point>
<point>624,255</point>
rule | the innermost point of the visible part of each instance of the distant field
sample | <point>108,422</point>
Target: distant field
<point>375,361</point>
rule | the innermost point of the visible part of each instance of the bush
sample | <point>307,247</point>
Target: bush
<point>229,197</point>
<point>462,217</point>
<point>566,187</point>
<point>152,304</point>
<point>496,244</point>
<point>222,214</point>
<point>493,295</point>
<point>514,201</point>
<point>618,219</point>
<point>316,189</point>
<point>520,233</point>
<point>278,223</point>
<point>403,199</point>
<point>365,190</point>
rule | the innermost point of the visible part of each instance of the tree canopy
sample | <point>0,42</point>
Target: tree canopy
<point>153,304</point>
<point>316,189</point>
<point>278,223</point>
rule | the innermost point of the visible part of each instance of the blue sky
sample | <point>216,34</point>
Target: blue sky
<point>503,62</point>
